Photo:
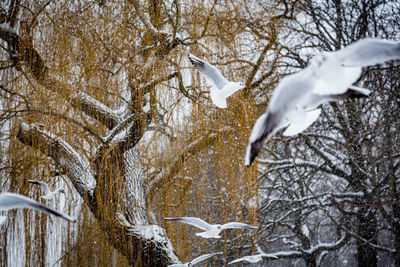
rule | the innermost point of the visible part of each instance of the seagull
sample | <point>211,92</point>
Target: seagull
<point>48,193</point>
<point>255,258</point>
<point>196,260</point>
<point>10,201</point>
<point>222,88</point>
<point>329,77</point>
<point>210,230</point>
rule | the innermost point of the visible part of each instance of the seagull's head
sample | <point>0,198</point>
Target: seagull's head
<point>239,85</point>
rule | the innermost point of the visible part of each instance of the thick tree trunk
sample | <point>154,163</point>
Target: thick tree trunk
<point>396,213</point>
<point>113,191</point>
<point>367,225</point>
<point>142,244</point>
<point>311,260</point>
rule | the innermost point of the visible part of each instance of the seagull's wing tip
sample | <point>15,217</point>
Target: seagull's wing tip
<point>247,162</point>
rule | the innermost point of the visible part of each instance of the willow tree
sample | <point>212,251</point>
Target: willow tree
<point>100,93</point>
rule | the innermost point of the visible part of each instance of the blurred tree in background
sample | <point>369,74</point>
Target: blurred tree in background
<point>330,196</point>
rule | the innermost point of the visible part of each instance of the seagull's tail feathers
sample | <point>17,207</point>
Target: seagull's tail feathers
<point>229,90</point>
<point>218,100</point>
<point>265,127</point>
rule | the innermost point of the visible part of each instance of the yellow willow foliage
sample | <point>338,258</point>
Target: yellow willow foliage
<point>95,49</point>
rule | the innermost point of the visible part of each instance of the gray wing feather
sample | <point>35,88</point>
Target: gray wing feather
<point>212,73</point>
<point>264,127</point>
<point>192,221</point>
<point>369,51</point>
<point>204,257</point>
<point>12,201</point>
<point>232,225</point>
<point>43,185</point>
<point>353,92</point>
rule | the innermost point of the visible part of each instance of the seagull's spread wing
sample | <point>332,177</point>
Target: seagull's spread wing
<point>43,185</point>
<point>252,259</point>
<point>212,73</point>
<point>240,225</point>
<point>204,257</point>
<point>192,221</point>
<point>265,126</point>
<point>316,100</point>
<point>291,92</point>
<point>12,201</point>
<point>369,51</point>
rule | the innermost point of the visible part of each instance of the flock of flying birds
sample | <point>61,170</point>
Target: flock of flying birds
<point>295,102</point>
<point>294,105</point>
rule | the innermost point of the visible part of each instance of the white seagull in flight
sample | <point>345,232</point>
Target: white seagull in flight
<point>222,88</point>
<point>10,201</point>
<point>210,230</point>
<point>195,261</point>
<point>48,194</point>
<point>328,78</point>
<point>255,258</point>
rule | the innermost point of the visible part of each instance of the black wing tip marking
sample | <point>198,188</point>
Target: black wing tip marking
<point>349,94</point>
<point>269,126</point>
<point>255,149</point>
<point>197,63</point>
<point>172,218</point>
<point>53,212</point>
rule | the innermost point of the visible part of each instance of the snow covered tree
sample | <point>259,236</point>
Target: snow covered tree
<point>98,96</point>
<point>330,195</point>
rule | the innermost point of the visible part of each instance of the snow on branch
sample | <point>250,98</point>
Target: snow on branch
<point>329,246</point>
<point>76,168</point>
<point>150,240</point>
<point>145,88</point>
<point>95,109</point>
<point>28,54</point>
<point>24,51</point>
